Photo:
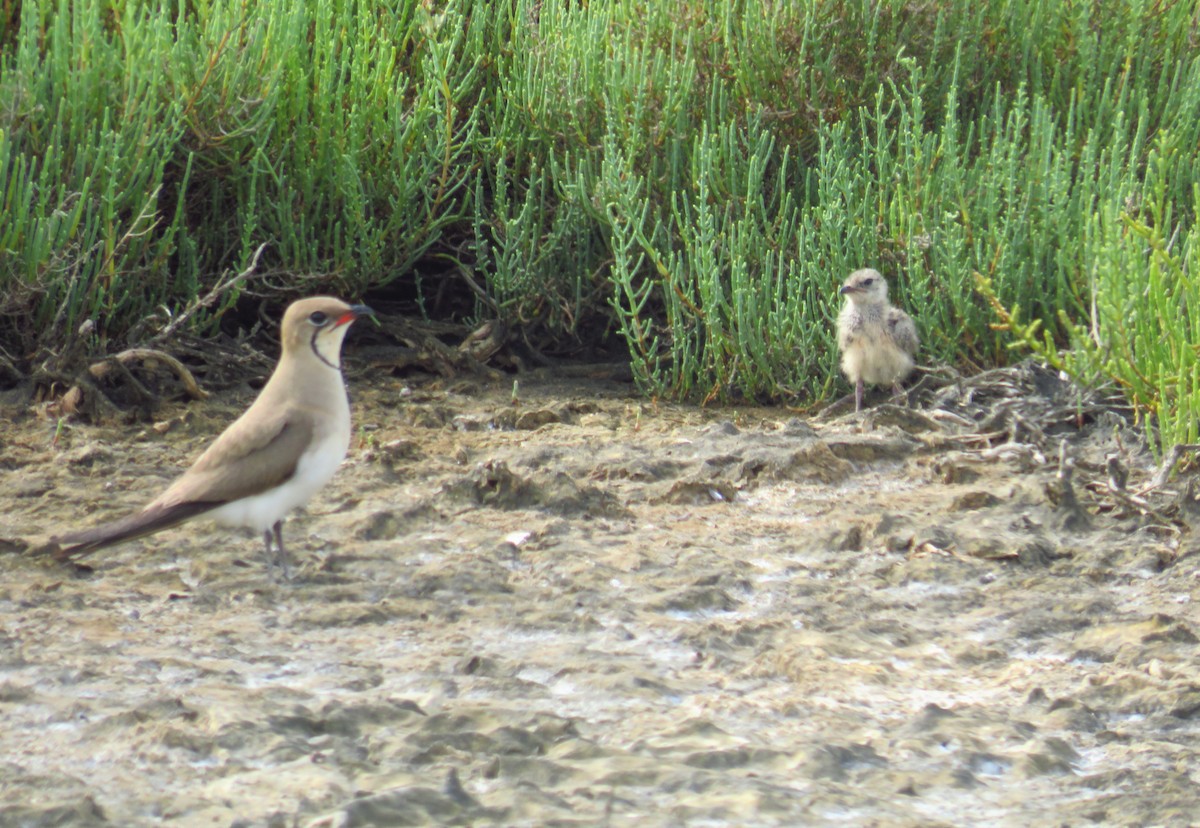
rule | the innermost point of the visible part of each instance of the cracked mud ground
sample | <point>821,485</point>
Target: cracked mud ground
<point>587,610</point>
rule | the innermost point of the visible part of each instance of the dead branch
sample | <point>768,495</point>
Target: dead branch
<point>209,298</point>
<point>425,350</point>
<point>192,388</point>
<point>1168,464</point>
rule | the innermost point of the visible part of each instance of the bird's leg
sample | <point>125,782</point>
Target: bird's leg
<point>898,391</point>
<point>858,395</point>
<point>275,533</point>
<point>283,559</point>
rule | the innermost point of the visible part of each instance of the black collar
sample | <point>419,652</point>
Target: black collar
<point>316,351</point>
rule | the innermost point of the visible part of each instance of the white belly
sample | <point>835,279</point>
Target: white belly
<point>260,512</point>
<point>876,361</point>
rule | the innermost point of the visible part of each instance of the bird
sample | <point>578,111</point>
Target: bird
<point>275,457</point>
<point>877,341</point>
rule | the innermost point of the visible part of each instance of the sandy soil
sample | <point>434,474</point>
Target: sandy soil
<point>583,609</point>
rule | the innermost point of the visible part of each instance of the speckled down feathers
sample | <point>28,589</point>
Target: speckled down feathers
<point>877,341</point>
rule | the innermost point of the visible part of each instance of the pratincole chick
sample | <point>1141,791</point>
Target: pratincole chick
<point>877,341</point>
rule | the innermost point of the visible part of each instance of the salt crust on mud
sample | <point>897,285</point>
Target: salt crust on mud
<point>585,609</point>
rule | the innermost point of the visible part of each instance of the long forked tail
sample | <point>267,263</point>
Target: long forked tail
<point>146,522</point>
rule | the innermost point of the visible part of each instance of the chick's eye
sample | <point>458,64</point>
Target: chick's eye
<point>868,281</point>
<point>318,318</point>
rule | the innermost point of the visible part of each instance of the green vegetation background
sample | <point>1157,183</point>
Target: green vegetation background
<point>692,178</point>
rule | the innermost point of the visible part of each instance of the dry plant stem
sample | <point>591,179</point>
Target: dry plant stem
<point>1169,462</point>
<point>485,342</point>
<point>9,370</point>
<point>209,298</point>
<point>1137,504</point>
<point>426,351</point>
<point>85,393</point>
<point>190,386</point>
<point>86,396</point>
<point>469,279</point>
<point>1007,402</point>
<point>145,396</point>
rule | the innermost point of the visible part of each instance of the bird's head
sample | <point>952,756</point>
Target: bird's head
<point>319,324</point>
<point>866,287</point>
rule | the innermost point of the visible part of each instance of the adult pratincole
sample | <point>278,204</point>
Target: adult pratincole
<point>274,457</point>
<point>877,341</point>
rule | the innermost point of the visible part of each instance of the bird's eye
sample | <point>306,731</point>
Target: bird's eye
<point>318,318</point>
<point>868,281</point>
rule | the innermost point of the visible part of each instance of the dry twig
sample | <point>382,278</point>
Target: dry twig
<point>209,298</point>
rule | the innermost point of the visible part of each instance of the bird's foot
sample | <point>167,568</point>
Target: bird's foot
<point>274,553</point>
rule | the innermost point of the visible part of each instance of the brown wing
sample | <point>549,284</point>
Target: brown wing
<point>146,522</point>
<point>903,331</point>
<point>251,456</point>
